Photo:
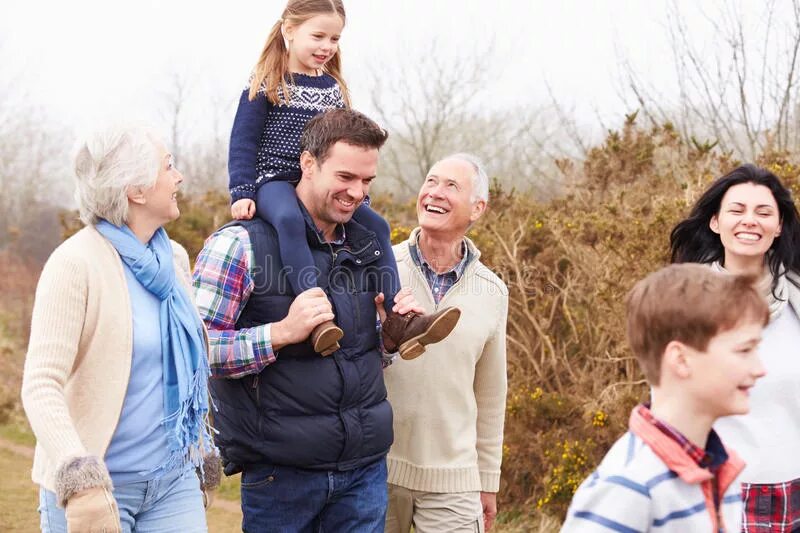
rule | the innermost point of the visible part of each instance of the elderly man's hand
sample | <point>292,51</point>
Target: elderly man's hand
<point>404,302</point>
<point>307,311</point>
<point>489,503</point>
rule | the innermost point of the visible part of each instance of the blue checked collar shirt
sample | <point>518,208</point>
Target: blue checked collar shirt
<point>440,283</point>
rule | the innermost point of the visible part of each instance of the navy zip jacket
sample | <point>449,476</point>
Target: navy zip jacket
<point>305,410</point>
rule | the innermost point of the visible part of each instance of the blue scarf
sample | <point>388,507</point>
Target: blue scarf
<point>183,347</point>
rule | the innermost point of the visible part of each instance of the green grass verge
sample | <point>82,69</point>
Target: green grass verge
<point>229,488</point>
<point>18,432</point>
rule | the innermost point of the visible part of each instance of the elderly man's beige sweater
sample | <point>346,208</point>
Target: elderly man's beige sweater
<point>449,404</point>
<point>79,357</point>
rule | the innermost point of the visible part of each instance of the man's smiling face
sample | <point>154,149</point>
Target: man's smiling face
<point>337,186</point>
<point>445,203</point>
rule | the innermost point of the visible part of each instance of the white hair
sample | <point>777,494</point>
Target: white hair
<point>108,163</point>
<point>480,180</point>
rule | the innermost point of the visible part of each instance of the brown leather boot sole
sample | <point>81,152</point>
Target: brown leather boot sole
<point>325,338</point>
<point>438,330</point>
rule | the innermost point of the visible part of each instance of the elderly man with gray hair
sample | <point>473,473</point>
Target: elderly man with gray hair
<point>449,406</point>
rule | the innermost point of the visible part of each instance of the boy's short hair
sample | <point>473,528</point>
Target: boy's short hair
<point>334,125</point>
<point>689,303</point>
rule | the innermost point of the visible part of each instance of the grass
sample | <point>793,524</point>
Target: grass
<point>20,496</point>
<point>229,488</point>
<point>17,432</point>
<point>223,521</point>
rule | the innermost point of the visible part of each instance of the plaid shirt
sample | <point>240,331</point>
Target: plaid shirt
<point>771,508</point>
<point>440,283</point>
<point>222,285</point>
<point>712,457</point>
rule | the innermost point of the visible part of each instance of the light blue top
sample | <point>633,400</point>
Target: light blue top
<point>139,445</point>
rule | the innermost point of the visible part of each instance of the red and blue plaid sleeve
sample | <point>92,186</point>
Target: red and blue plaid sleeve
<point>222,285</point>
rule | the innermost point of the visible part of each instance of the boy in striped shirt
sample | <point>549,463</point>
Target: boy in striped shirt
<point>695,333</point>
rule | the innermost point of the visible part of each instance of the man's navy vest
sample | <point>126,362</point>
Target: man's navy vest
<point>306,410</point>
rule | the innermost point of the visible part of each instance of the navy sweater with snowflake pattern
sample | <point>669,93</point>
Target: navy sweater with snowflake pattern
<point>265,139</point>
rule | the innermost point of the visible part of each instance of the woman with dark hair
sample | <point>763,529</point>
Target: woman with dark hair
<point>747,223</point>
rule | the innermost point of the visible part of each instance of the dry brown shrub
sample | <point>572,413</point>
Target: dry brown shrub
<point>568,264</point>
<point>18,277</point>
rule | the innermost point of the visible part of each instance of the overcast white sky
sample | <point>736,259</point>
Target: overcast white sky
<point>86,60</point>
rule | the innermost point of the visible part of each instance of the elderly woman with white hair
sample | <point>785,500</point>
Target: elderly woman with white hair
<point>115,378</point>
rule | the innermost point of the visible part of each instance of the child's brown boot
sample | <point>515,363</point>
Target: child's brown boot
<point>409,333</point>
<point>325,338</point>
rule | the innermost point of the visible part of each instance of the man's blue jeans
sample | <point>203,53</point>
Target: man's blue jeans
<point>286,499</point>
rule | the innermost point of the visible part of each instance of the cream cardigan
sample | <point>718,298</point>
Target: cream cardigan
<point>80,351</point>
<point>449,404</point>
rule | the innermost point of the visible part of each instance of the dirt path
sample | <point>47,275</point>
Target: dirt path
<point>20,496</point>
<point>18,449</point>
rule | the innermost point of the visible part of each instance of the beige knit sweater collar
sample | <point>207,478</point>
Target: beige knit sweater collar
<point>474,253</point>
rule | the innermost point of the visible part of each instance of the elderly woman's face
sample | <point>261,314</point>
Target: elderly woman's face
<point>161,200</point>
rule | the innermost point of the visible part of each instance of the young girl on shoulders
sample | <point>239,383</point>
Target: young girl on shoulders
<point>298,75</point>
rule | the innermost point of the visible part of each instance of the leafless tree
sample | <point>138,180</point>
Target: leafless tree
<point>34,180</point>
<point>744,95</point>
<point>200,145</point>
<point>434,104</point>
<point>34,175</point>
<point>174,106</point>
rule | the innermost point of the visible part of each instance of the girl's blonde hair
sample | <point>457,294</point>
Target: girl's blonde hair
<point>273,64</point>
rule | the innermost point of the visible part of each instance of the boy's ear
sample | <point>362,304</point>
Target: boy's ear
<point>307,162</point>
<point>136,195</point>
<point>675,361</point>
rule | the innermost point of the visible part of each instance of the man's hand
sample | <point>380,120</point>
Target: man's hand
<point>489,503</point>
<point>307,311</point>
<point>404,302</point>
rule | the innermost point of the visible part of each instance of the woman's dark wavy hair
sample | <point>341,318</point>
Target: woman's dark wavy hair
<point>692,241</point>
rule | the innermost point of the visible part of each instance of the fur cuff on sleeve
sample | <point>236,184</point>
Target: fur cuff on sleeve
<point>78,474</point>
<point>211,473</point>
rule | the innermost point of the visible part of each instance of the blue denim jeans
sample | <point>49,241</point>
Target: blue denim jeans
<point>289,500</point>
<point>169,503</point>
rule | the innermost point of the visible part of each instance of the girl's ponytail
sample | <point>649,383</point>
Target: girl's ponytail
<point>272,65</point>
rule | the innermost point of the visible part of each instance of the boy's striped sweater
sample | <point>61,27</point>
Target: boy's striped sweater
<point>647,482</point>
